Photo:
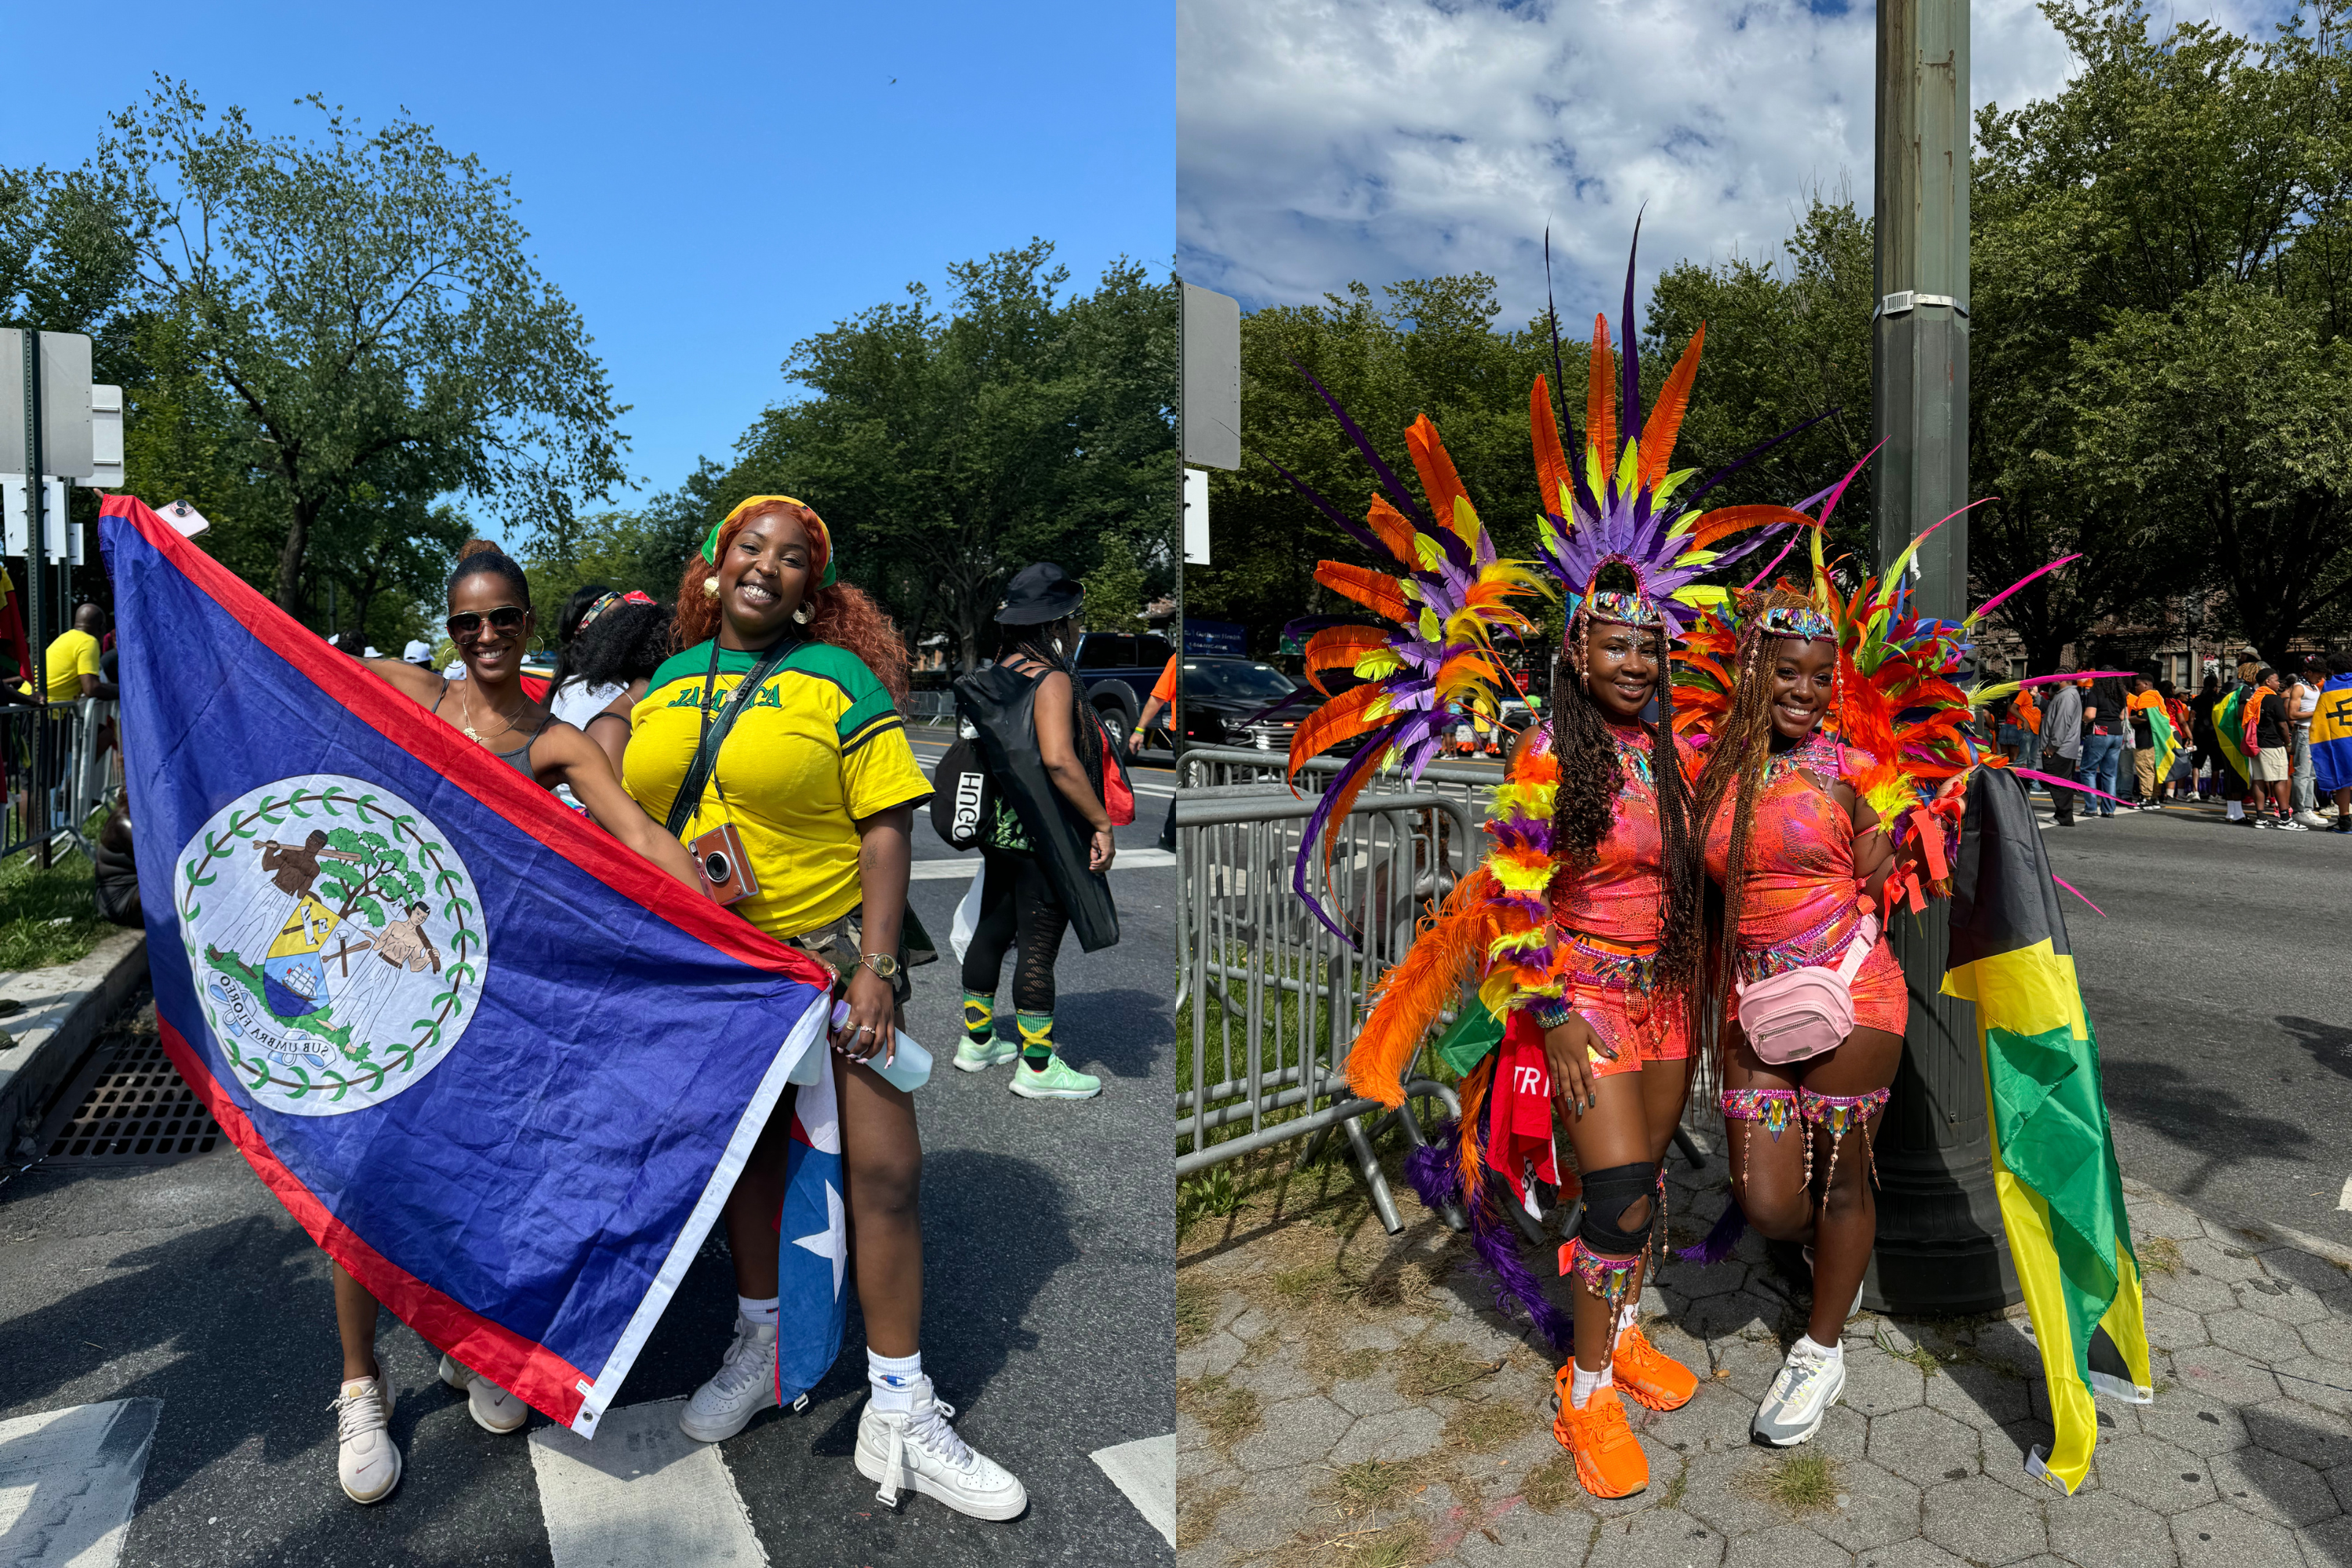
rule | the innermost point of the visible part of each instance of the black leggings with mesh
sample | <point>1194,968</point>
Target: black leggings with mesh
<point>1018,903</point>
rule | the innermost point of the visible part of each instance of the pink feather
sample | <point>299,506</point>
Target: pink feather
<point>1990,605</point>
<point>2078,893</point>
<point>2067,783</point>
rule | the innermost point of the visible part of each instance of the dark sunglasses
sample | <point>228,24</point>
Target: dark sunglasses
<point>466,624</point>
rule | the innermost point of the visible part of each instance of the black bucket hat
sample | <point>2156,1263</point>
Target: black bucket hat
<point>1039,595</point>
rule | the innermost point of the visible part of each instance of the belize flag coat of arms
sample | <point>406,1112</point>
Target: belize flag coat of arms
<point>498,1067</point>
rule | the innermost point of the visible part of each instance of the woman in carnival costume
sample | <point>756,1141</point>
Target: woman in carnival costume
<point>1835,757</point>
<point>1581,931</point>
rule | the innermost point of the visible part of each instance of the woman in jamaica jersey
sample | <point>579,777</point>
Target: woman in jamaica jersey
<point>818,779</point>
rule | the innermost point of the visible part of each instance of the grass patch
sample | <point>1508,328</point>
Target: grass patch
<point>1551,1484</point>
<point>1196,1310</point>
<point>1399,1546</point>
<point>1439,1366</point>
<point>1483,1429</point>
<point>1673,1493</point>
<point>1197,1507</point>
<point>1802,1482</point>
<point>1337,1365</point>
<point>50,917</point>
<point>1918,1355</point>
<point>1309,1283</point>
<point>1213,1196</point>
<point>1372,1487</point>
<point>1227,1412</point>
<point>2160,1255</point>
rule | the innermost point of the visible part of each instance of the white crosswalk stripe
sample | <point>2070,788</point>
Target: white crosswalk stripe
<point>68,1481</point>
<point>641,1495</point>
<point>1145,1470</point>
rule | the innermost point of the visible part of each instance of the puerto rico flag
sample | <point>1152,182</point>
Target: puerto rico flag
<point>499,1067</point>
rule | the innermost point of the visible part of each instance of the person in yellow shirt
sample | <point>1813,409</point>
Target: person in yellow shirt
<point>72,665</point>
<point>819,781</point>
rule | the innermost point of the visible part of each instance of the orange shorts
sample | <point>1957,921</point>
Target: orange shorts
<point>1881,999</point>
<point>1614,990</point>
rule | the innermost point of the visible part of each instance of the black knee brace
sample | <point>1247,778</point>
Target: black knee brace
<point>1608,1195</point>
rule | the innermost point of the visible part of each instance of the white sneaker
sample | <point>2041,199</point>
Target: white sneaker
<point>369,1465</point>
<point>745,1385</point>
<point>918,1449</point>
<point>1798,1400</point>
<point>492,1408</point>
<point>2311,819</point>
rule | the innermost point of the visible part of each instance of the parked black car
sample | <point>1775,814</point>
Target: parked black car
<point>1119,671</point>
<point>1244,702</point>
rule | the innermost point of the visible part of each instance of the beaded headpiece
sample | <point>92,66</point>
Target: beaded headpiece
<point>1805,625</point>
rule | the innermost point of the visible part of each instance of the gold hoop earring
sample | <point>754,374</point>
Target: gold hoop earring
<point>801,615</point>
<point>710,587</point>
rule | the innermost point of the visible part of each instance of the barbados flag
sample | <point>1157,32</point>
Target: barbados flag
<point>498,1067</point>
<point>2054,1160</point>
<point>2331,737</point>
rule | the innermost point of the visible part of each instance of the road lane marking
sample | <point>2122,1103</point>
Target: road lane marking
<point>1145,1470</point>
<point>642,1495</point>
<point>68,1480</point>
<point>2344,1199</point>
<point>960,871</point>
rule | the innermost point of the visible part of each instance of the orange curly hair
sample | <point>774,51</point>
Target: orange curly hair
<point>843,616</point>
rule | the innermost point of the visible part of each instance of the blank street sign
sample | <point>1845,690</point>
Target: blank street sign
<point>1211,393</point>
<point>65,404</point>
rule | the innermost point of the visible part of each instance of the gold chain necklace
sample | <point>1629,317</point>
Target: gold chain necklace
<point>466,701</point>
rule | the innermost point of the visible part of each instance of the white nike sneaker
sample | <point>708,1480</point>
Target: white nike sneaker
<point>1798,1400</point>
<point>918,1449</point>
<point>369,1465</point>
<point>745,1385</point>
<point>492,1408</point>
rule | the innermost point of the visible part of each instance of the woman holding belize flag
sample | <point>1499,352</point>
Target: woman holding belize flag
<point>815,797</point>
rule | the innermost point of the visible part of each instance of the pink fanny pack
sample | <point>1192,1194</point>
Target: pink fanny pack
<point>1804,1012</point>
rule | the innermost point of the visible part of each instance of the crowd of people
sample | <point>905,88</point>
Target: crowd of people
<point>2108,744</point>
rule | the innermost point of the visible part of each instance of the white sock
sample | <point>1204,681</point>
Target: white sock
<point>2234,809</point>
<point>894,1379</point>
<point>762,1312</point>
<point>1581,1384</point>
<point>1806,1347</point>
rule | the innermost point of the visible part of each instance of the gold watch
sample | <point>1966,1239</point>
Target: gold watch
<point>884,965</point>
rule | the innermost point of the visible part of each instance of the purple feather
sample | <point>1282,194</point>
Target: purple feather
<point>1445,536</point>
<point>1630,425</point>
<point>1717,1243</point>
<point>1375,746</point>
<point>1353,529</point>
<point>1753,452</point>
<point>1435,1168</point>
<point>1498,1251</point>
<point>1559,374</point>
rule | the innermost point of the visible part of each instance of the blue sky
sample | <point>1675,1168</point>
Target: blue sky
<point>708,183</point>
<point>1327,141</point>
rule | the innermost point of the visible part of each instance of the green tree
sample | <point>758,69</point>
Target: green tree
<point>645,550</point>
<point>354,328</point>
<point>946,449</point>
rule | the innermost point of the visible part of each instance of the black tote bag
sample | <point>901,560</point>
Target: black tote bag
<point>1000,703</point>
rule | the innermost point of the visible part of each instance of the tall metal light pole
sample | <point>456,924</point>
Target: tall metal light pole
<point>1940,1247</point>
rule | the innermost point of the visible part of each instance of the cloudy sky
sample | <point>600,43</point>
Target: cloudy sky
<point>1321,140</point>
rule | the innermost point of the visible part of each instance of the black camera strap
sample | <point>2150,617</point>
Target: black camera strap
<point>714,735</point>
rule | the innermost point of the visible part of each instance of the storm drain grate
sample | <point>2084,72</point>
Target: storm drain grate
<point>137,1111</point>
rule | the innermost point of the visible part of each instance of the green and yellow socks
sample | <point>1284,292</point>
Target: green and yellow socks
<point>983,1047</point>
<point>1037,1039</point>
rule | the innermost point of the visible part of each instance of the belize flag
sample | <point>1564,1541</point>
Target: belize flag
<point>498,1067</point>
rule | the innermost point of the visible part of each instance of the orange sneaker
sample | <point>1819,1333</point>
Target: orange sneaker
<point>1609,1462</point>
<point>1649,1375</point>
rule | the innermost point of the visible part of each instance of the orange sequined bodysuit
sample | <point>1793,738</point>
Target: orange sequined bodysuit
<point>1610,918</point>
<point>1798,907</point>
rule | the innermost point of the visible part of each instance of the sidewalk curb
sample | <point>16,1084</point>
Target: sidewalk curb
<point>65,1007</point>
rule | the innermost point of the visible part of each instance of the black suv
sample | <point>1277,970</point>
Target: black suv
<point>1120,670</point>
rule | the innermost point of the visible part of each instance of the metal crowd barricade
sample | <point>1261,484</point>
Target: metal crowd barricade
<point>62,766</point>
<point>932,707</point>
<point>1275,997</point>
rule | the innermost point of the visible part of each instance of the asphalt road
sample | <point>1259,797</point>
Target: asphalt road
<point>1048,1320</point>
<point>2223,1008</point>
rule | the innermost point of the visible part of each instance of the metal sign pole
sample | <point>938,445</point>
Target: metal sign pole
<point>36,796</point>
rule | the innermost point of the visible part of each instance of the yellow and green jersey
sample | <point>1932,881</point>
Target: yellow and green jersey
<point>819,747</point>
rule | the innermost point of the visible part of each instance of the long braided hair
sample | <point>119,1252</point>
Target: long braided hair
<point>1087,733</point>
<point>1735,757</point>
<point>1585,808</point>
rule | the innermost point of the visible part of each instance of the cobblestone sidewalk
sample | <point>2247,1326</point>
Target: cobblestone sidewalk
<point>1349,1397</point>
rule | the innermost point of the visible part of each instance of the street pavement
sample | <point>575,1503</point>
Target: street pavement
<point>1047,1324</point>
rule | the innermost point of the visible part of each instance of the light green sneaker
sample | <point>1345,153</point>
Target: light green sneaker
<point>1058,1080</point>
<point>979,1056</point>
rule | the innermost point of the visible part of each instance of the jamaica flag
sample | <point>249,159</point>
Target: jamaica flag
<point>2054,1160</point>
